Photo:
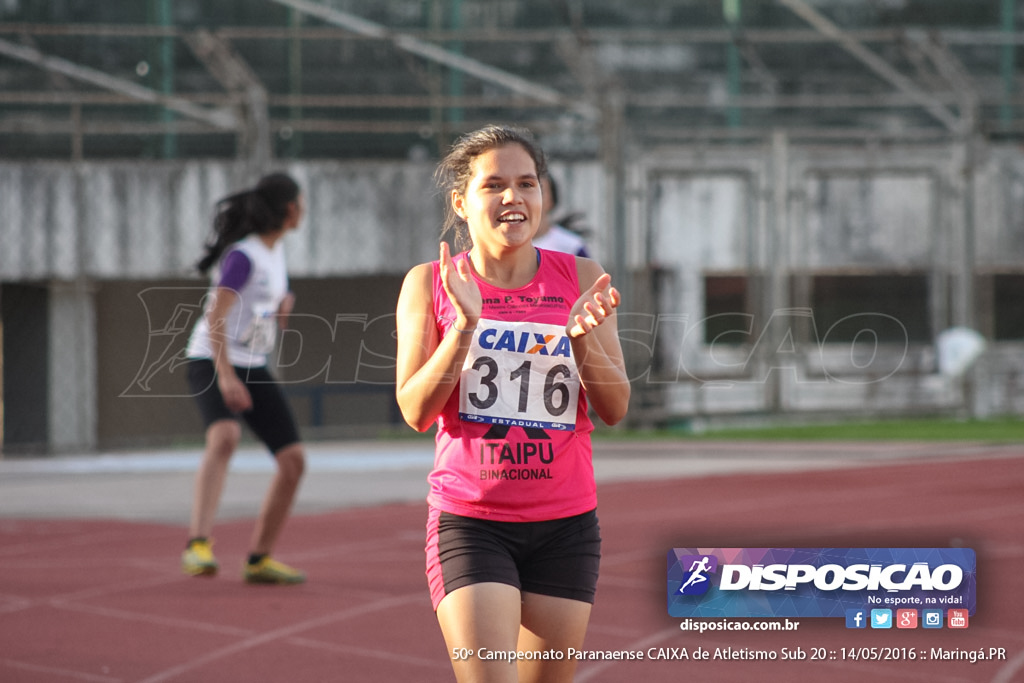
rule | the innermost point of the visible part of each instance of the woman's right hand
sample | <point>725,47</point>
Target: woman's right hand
<point>462,289</point>
<point>236,395</point>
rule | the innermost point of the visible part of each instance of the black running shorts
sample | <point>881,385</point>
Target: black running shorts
<point>270,417</point>
<point>559,557</point>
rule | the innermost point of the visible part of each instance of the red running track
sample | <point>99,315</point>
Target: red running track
<point>104,602</point>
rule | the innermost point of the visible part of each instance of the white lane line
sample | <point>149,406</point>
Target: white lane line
<point>66,673</point>
<point>281,634</point>
<point>1009,670</point>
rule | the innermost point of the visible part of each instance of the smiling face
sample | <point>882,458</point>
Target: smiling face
<point>502,203</point>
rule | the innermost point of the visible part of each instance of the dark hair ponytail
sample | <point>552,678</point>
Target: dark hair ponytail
<point>259,210</point>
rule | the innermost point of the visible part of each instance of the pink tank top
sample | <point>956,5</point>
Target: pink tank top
<point>513,441</point>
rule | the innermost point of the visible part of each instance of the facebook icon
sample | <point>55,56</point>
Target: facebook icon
<point>856,618</point>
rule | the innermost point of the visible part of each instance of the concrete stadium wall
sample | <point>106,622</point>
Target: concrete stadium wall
<point>148,220</point>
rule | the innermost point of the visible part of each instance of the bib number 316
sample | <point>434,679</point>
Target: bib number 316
<point>520,374</point>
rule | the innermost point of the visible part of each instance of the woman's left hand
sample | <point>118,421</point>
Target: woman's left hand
<point>593,307</point>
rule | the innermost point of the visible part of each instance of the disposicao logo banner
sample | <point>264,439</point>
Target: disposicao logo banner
<point>817,582</point>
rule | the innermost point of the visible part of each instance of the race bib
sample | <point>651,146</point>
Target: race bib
<point>261,334</point>
<point>520,374</point>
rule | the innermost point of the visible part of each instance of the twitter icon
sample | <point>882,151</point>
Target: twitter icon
<point>881,618</point>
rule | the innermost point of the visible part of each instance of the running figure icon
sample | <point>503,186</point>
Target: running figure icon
<point>697,573</point>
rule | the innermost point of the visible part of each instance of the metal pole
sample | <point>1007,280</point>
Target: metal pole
<point>1008,59</point>
<point>455,89</point>
<point>732,12</point>
<point>778,266</point>
<point>77,142</point>
<point>295,78</point>
<point>165,61</point>
<point>966,313</point>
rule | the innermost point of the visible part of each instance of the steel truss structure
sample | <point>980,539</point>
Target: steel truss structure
<point>349,78</point>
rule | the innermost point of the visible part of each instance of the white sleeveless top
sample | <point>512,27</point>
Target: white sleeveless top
<point>251,324</point>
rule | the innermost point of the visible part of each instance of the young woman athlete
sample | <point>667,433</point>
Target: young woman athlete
<point>228,374</point>
<point>505,347</point>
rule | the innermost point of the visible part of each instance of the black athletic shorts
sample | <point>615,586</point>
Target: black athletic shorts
<point>270,417</point>
<point>559,557</point>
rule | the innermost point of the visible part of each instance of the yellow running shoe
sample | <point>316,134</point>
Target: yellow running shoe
<point>198,559</point>
<point>269,570</point>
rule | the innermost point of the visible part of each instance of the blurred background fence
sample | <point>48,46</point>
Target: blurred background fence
<point>799,198</point>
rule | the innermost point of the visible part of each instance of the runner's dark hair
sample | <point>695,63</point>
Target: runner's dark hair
<point>260,209</point>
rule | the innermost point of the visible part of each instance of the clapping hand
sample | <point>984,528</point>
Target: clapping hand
<point>593,307</point>
<point>462,289</point>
